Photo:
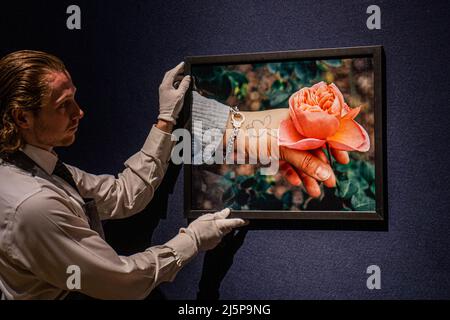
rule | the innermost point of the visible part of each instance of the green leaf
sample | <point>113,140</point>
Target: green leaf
<point>235,189</point>
<point>228,194</point>
<point>337,192</point>
<point>273,67</point>
<point>238,83</point>
<point>321,66</point>
<point>287,200</point>
<point>347,189</point>
<point>229,203</point>
<point>241,179</point>
<point>243,91</point>
<point>333,62</point>
<point>279,99</point>
<point>230,175</point>
<point>262,185</point>
<point>361,183</point>
<point>299,70</point>
<point>361,202</point>
<point>306,72</point>
<point>339,167</point>
<point>367,171</point>
<point>354,174</point>
<point>258,65</point>
<point>286,70</point>
<point>237,77</point>
<point>277,85</point>
<point>234,206</point>
<point>372,188</point>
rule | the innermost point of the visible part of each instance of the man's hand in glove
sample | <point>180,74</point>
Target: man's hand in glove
<point>171,93</point>
<point>208,230</point>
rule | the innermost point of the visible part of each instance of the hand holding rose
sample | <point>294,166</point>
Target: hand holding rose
<point>318,117</point>
<point>298,166</point>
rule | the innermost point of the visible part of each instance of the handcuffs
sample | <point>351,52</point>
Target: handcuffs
<point>237,118</point>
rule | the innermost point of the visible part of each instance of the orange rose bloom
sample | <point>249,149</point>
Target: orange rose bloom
<point>319,115</point>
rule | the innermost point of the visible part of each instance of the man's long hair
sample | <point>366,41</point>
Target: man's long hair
<point>23,85</point>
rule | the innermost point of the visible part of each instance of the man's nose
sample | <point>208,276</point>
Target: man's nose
<point>79,113</point>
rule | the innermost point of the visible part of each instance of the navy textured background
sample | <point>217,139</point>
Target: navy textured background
<point>119,57</point>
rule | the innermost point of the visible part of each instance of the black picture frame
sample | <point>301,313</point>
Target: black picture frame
<point>308,219</point>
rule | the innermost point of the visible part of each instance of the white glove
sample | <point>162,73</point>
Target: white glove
<point>208,230</point>
<point>171,98</point>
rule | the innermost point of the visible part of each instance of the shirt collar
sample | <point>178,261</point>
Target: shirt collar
<point>43,158</point>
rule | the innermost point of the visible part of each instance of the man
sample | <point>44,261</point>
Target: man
<point>50,212</point>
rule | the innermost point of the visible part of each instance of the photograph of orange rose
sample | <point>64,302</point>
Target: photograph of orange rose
<point>331,104</point>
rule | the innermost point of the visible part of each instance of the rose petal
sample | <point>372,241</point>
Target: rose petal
<point>288,131</point>
<point>291,138</point>
<point>304,144</point>
<point>350,136</point>
<point>314,124</point>
<point>337,93</point>
<point>294,119</point>
<point>318,85</point>
<point>336,107</point>
<point>352,113</point>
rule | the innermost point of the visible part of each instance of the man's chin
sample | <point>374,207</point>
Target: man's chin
<point>68,141</point>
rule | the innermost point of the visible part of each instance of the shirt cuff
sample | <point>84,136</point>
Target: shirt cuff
<point>159,144</point>
<point>184,248</point>
<point>209,118</point>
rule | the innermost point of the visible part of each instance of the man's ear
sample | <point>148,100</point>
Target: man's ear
<point>23,119</point>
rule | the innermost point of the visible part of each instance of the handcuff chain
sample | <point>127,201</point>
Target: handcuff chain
<point>236,123</point>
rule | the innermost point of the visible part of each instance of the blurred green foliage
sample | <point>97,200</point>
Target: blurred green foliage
<point>249,192</point>
<point>220,82</point>
<point>355,191</point>
<point>356,185</point>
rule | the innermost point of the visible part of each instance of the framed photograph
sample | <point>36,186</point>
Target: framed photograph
<point>351,79</point>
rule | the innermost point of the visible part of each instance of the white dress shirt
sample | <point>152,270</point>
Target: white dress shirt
<point>44,230</point>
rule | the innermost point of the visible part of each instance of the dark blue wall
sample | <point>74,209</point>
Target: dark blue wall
<point>119,57</point>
